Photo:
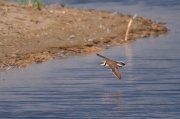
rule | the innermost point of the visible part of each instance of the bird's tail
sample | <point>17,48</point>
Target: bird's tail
<point>121,64</point>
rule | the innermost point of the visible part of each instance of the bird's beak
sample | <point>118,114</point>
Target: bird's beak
<point>100,63</point>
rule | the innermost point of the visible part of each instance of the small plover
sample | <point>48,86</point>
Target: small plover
<point>113,65</point>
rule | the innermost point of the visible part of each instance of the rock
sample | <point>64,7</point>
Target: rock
<point>106,40</point>
<point>90,40</point>
<point>89,44</point>
<point>71,36</point>
<point>91,49</point>
<point>51,11</point>
<point>96,41</point>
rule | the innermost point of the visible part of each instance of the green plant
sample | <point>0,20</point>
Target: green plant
<point>29,2</point>
<point>37,3</point>
<point>25,2</point>
<point>19,1</point>
<point>5,9</point>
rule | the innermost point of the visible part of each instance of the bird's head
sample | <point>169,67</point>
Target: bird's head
<point>103,63</point>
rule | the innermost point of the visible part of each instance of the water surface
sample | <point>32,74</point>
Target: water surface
<point>77,87</point>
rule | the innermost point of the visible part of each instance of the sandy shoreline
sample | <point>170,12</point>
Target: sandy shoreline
<point>29,35</point>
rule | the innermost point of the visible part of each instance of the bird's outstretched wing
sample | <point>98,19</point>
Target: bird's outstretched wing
<point>115,71</point>
<point>102,56</point>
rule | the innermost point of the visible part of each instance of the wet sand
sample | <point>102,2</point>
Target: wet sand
<point>30,35</point>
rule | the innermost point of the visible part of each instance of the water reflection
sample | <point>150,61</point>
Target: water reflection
<point>111,98</point>
<point>128,51</point>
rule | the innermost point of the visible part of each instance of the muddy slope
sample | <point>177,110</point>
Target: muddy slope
<point>29,35</point>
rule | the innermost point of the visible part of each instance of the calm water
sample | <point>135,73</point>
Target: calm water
<point>77,87</point>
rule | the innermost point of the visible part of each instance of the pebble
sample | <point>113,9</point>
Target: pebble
<point>71,36</point>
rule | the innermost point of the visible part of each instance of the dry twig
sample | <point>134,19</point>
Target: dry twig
<point>129,24</point>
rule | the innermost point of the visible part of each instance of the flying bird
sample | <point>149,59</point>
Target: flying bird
<point>113,65</point>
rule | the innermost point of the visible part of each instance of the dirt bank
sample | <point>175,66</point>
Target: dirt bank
<point>29,35</point>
